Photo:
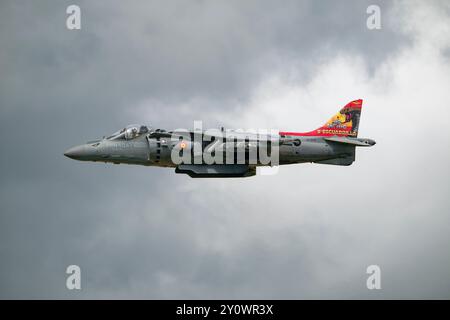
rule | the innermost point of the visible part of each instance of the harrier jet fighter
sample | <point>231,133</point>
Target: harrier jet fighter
<point>229,153</point>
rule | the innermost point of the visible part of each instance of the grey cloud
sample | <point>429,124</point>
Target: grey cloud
<point>147,233</point>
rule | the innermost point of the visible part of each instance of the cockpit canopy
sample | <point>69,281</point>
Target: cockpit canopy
<point>129,132</point>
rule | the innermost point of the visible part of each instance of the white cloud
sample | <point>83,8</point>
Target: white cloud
<point>342,219</point>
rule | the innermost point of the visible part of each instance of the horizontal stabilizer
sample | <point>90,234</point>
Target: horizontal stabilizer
<point>352,141</point>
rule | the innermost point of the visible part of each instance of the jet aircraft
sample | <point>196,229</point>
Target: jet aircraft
<point>229,153</point>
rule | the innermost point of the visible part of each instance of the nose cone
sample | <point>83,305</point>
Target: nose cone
<point>82,152</point>
<point>75,152</point>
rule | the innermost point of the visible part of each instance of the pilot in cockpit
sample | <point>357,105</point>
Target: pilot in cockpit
<point>129,132</point>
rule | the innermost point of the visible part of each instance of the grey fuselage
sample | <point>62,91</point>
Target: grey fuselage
<point>147,151</point>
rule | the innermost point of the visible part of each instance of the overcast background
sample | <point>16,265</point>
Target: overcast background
<point>308,232</point>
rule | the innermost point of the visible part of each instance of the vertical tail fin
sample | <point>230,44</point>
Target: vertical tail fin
<point>344,123</point>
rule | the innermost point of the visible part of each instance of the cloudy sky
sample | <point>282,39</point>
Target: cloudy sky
<point>308,232</point>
